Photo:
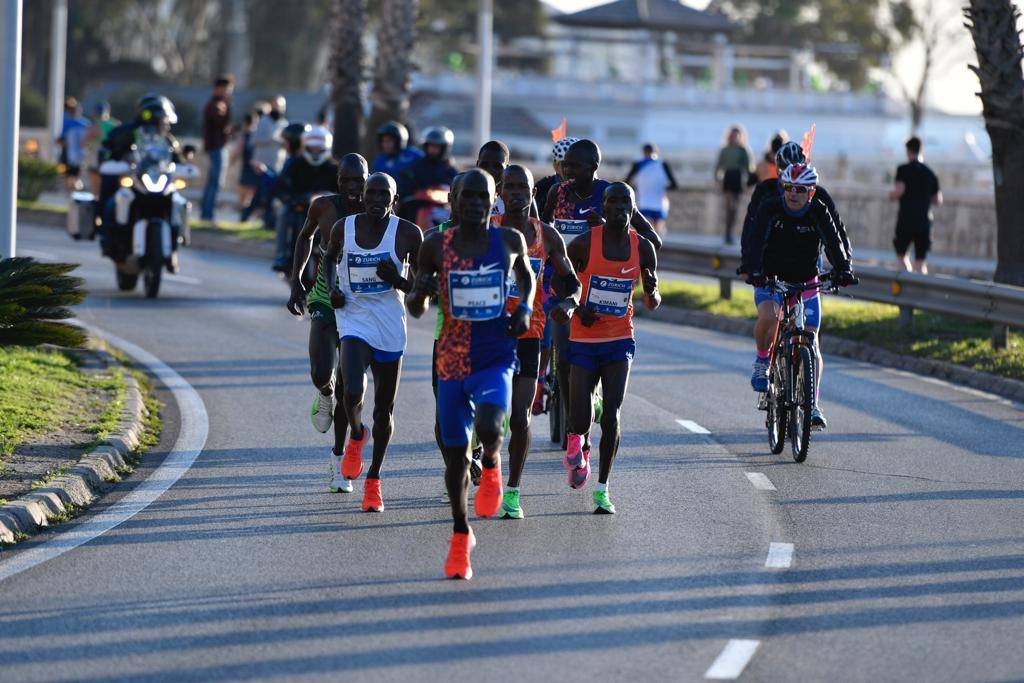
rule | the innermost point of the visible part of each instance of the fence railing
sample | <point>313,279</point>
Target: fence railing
<point>987,302</point>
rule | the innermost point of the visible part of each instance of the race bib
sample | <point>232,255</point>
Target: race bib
<point>609,295</point>
<point>571,227</point>
<point>513,289</point>
<point>476,295</point>
<point>362,273</point>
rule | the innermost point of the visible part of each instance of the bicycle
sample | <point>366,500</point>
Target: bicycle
<point>791,369</point>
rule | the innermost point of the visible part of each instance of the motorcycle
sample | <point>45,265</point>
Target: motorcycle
<point>144,221</point>
<point>296,209</point>
<point>432,207</point>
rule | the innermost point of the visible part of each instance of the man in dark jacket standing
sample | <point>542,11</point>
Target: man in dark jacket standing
<point>216,123</point>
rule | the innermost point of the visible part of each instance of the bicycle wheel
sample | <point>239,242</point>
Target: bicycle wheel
<point>777,419</point>
<point>803,398</point>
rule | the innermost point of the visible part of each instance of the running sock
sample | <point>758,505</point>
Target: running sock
<point>512,489</point>
<point>602,487</point>
<point>763,355</point>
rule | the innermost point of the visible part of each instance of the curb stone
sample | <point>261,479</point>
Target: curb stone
<point>957,374</point>
<point>90,477</point>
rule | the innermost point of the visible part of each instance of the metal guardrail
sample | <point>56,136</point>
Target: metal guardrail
<point>1001,305</point>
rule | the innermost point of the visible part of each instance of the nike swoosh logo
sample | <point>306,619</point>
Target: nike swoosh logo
<point>626,271</point>
<point>584,210</point>
<point>489,267</point>
<point>489,391</point>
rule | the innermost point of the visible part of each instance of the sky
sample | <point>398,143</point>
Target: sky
<point>952,89</point>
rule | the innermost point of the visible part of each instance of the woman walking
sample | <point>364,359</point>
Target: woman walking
<point>735,164</point>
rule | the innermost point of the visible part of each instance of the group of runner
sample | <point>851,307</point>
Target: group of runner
<point>505,272</point>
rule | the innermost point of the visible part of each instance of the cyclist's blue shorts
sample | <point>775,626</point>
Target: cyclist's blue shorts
<point>653,215</point>
<point>457,400</point>
<point>595,355</point>
<point>812,303</point>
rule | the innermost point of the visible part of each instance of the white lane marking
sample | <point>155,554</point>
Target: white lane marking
<point>36,254</point>
<point>184,279</point>
<point>195,425</point>
<point>692,426</point>
<point>760,481</point>
<point>733,659</point>
<point>780,556</point>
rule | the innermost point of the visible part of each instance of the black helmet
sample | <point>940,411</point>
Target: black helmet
<point>292,135</point>
<point>155,109</point>
<point>440,136</point>
<point>396,130</point>
<point>790,153</point>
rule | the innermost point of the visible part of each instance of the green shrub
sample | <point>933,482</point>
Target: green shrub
<point>34,298</point>
<point>33,108</point>
<point>34,177</point>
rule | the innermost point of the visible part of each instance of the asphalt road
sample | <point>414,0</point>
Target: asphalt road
<point>896,552</point>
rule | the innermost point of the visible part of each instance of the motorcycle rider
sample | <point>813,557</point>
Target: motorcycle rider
<point>311,172</point>
<point>395,153</point>
<point>433,170</point>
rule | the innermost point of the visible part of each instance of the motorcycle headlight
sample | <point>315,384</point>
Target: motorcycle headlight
<point>156,186</point>
<point>180,184</point>
<point>127,182</point>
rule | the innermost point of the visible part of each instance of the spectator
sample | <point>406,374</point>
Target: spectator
<point>72,142</point>
<point>250,178</point>
<point>917,189</point>
<point>102,124</point>
<point>766,168</point>
<point>268,151</point>
<point>734,167</point>
<point>652,178</point>
<point>216,128</point>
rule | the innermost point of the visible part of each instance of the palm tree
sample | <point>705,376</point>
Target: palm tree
<point>33,298</point>
<point>346,66</point>
<point>391,78</point>
<point>993,25</point>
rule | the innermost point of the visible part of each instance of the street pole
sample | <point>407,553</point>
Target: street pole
<point>10,102</point>
<point>58,60</point>
<point>485,66</point>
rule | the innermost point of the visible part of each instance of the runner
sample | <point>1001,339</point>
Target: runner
<point>467,267</point>
<point>493,158</point>
<point>545,244</point>
<point>610,259</point>
<point>373,249</point>
<point>323,327</point>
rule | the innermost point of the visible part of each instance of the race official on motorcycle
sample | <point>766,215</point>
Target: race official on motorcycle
<point>395,154</point>
<point>433,170</point>
<point>311,172</point>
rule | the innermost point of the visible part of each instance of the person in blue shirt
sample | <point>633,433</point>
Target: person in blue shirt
<point>395,153</point>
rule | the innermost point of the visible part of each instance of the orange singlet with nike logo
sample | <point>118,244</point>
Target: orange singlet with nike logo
<point>608,291</point>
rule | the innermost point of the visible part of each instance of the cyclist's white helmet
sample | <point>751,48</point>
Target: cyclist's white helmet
<point>561,147</point>
<point>799,174</point>
<point>316,145</point>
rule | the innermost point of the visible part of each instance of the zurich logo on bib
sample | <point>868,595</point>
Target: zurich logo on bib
<point>476,295</point>
<point>362,273</point>
<point>513,288</point>
<point>609,295</point>
<point>569,227</point>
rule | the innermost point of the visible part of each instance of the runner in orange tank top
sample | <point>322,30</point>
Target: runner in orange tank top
<point>609,260</point>
<point>544,245</point>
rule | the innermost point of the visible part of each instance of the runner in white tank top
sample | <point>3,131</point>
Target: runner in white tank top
<point>370,252</point>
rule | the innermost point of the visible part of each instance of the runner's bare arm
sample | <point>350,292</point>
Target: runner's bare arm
<point>649,274</point>
<point>428,267</point>
<point>579,253</point>
<point>565,283</point>
<point>304,242</point>
<point>407,246</point>
<point>549,205</point>
<point>519,321</point>
<point>330,264</point>
<point>644,228</point>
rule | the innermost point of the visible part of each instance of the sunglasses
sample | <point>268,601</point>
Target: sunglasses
<point>797,189</point>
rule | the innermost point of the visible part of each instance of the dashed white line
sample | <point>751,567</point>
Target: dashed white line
<point>780,556</point>
<point>184,279</point>
<point>692,426</point>
<point>760,481</point>
<point>733,659</point>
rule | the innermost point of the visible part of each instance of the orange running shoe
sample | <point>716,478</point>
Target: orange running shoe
<point>352,463</point>
<point>372,501</point>
<point>488,496</point>
<point>457,565</point>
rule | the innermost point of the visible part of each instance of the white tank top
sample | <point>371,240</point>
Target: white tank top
<point>374,311</point>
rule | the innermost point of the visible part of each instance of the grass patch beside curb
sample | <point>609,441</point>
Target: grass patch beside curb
<point>250,231</point>
<point>934,336</point>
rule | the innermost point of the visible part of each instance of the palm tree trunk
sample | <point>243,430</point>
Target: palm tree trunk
<point>392,75</point>
<point>347,25</point>
<point>992,24</point>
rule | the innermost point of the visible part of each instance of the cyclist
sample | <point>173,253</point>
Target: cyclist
<point>789,231</point>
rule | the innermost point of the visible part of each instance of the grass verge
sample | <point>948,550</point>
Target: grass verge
<point>250,230</point>
<point>934,336</point>
<point>32,205</point>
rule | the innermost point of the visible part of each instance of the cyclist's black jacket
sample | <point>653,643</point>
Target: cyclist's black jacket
<point>770,188</point>
<point>788,246</point>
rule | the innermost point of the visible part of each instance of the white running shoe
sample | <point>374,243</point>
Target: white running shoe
<point>322,412</point>
<point>339,484</point>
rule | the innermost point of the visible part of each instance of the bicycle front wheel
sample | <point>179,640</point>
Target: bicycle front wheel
<point>803,399</point>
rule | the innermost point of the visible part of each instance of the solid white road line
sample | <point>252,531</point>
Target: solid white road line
<point>191,440</point>
<point>692,426</point>
<point>780,556</point>
<point>734,658</point>
<point>36,254</point>
<point>183,279</point>
<point>760,482</point>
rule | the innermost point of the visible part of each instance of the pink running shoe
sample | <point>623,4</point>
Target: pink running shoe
<point>579,476</point>
<point>573,452</point>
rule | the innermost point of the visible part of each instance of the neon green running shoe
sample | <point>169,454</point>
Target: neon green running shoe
<point>603,504</point>
<point>510,508</point>
<point>598,409</point>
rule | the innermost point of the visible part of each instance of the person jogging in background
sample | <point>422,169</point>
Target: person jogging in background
<point>767,169</point>
<point>467,267</point>
<point>610,259</point>
<point>366,262</point>
<point>733,168</point>
<point>324,340</point>
<point>73,142</point>
<point>917,190</point>
<point>652,179</point>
